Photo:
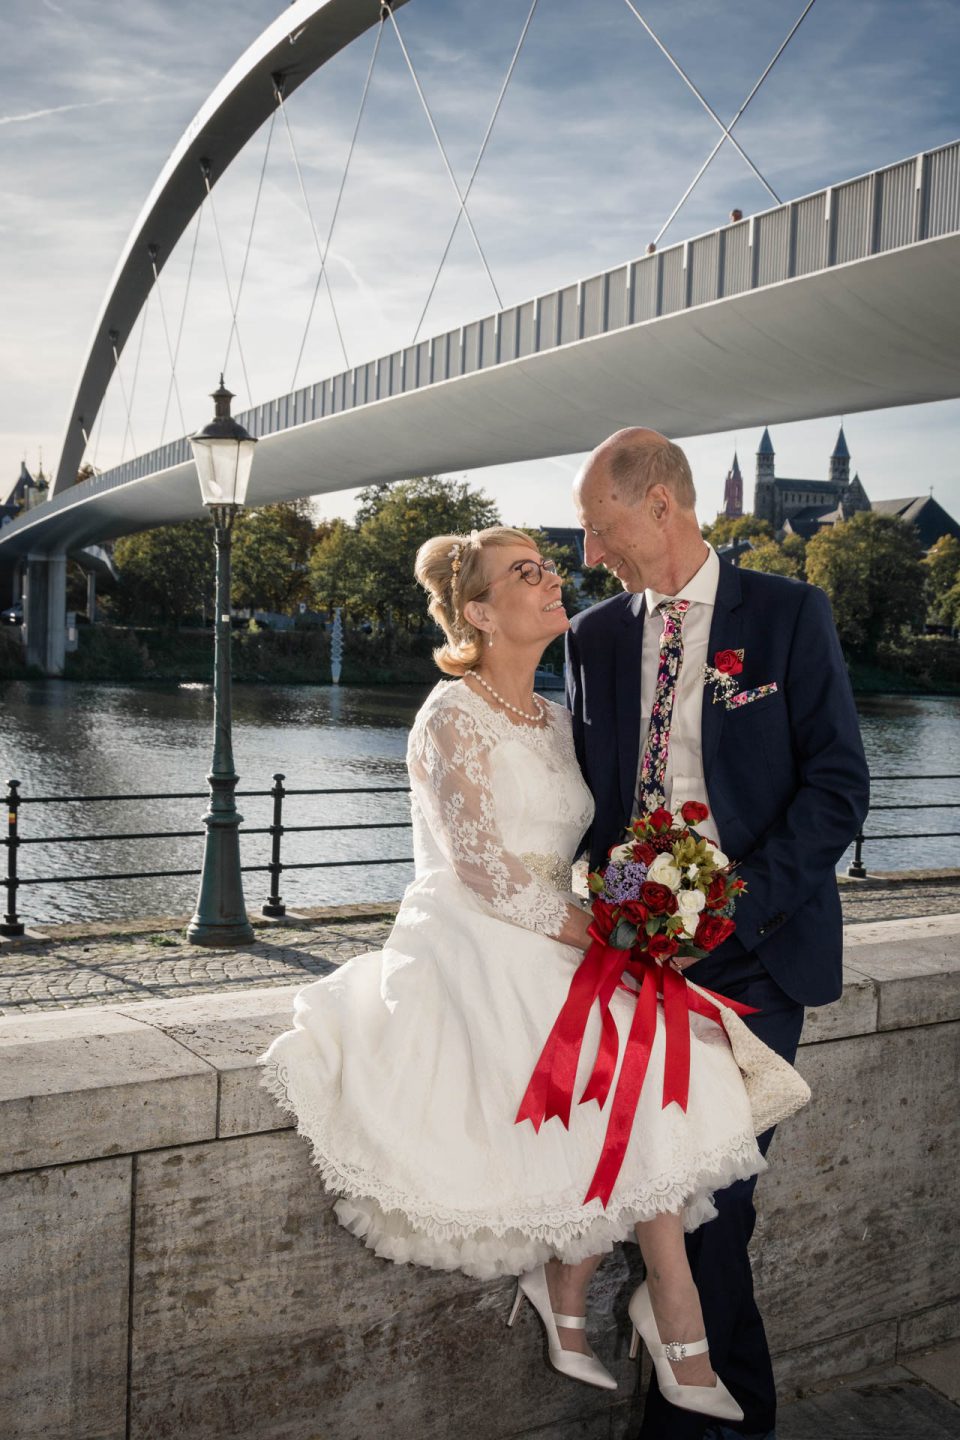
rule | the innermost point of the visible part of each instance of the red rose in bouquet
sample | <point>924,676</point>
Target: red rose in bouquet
<point>659,899</point>
<point>661,947</point>
<point>717,893</point>
<point>712,931</point>
<point>644,853</point>
<point>636,912</point>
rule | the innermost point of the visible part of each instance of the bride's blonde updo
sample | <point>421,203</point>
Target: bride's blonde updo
<point>451,569</point>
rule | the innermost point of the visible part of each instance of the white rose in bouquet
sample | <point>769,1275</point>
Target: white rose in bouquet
<point>621,854</point>
<point>665,872</point>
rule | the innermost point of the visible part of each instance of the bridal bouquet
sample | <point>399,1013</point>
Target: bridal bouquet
<point>665,894</point>
<point>667,890</point>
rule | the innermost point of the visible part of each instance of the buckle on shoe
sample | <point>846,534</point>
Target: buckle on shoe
<point>675,1350</point>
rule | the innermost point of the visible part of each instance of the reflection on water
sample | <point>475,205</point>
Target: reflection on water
<point>65,739</point>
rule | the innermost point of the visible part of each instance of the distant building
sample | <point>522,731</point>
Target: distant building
<point>733,491</point>
<point>27,492</point>
<point>922,511</point>
<point>566,538</point>
<point>801,507</point>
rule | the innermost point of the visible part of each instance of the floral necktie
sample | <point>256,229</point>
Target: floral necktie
<point>654,763</point>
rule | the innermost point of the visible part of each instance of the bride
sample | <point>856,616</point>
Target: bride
<point>405,1068</point>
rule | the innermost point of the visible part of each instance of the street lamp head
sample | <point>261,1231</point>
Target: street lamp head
<point>223,451</point>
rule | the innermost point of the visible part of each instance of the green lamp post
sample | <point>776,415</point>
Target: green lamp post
<point>223,451</point>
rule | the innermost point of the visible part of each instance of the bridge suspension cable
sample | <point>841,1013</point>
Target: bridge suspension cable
<point>114,338</point>
<point>246,253</point>
<point>705,103</point>
<point>321,274</point>
<point>153,252</point>
<point>133,382</point>
<point>205,172</point>
<point>473,174</point>
<point>703,168</point>
<point>313,225</point>
<point>175,355</point>
<point>426,109</point>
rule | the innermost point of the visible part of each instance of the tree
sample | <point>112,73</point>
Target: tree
<point>599,584</point>
<point>271,552</point>
<point>166,572</point>
<point>870,567</point>
<point>942,567</point>
<point>774,559</point>
<point>337,569</point>
<point>394,523</point>
<point>727,528</point>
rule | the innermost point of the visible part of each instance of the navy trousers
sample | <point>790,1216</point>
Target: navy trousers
<point>718,1249</point>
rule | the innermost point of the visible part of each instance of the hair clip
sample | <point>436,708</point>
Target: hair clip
<point>453,555</point>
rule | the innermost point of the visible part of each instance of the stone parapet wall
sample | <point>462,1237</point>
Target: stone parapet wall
<point>172,1268</point>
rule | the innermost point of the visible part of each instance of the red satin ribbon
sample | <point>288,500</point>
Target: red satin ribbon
<point>550,1091</point>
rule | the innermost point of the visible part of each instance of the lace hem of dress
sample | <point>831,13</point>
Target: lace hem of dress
<point>400,1227</point>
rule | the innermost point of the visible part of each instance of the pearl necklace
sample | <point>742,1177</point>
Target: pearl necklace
<point>524,714</point>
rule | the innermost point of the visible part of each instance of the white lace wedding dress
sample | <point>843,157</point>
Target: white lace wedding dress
<point>405,1067</point>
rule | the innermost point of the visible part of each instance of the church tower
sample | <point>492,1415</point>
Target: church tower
<point>764,494</point>
<point>733,491</point>
<point>840,461</point>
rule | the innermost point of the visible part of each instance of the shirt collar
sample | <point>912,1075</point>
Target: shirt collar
<point>700,589</point>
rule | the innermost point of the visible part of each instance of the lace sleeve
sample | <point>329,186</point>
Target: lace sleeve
<point>450,759</point>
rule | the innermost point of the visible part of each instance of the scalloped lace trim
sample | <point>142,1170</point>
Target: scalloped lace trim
<point>405,1228</point>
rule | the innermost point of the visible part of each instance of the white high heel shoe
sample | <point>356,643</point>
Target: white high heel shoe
<point>533,1285</point>
<point>713,1399</point>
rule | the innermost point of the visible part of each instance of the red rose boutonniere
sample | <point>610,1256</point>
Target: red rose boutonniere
<point>728,662</point>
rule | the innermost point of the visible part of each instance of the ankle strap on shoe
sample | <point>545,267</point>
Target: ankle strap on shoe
<point>676,1350</point>
<point>571,1322</point>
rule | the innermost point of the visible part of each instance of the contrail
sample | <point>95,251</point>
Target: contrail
<point>60,109</point>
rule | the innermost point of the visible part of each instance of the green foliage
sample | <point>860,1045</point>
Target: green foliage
<point>271,553</point>
<point>392,523</point>
<point>166,573</point>
<point>725,529</point>
<point>599,584</point>
<point>337,570</point>
<point>871,569</point>
<point>942,567</point>
<point>774,559</point>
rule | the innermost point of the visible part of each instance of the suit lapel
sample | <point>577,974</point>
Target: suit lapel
<point>628,661</point>
<point>725,634</point>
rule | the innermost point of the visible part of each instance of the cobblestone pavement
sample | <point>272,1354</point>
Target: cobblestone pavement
<point>915,1400</point>
<point>95,965</point>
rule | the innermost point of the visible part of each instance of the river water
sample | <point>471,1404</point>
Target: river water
<point>83,739</point>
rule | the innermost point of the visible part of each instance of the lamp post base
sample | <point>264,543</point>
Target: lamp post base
<point>225,936</point>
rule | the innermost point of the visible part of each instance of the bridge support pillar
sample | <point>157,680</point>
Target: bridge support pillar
<point>45,612</point>
<point>91,595</point>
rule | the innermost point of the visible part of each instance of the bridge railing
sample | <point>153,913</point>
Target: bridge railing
<point>913,200</point>
<point>273,906</point>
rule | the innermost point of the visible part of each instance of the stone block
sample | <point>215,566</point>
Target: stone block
<point>84,1083</point>
<point>227,1033</point>
<point>915,965</point>
<point>924,1328</point>
<point>855,1013</point>
<point>799,1371</point>
<point>855,1215</point>
<point>64,1259</point>
<point>256,1313</point>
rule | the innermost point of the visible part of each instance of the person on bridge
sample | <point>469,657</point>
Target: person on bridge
<point>764,732</point>
<point>405,1067</point>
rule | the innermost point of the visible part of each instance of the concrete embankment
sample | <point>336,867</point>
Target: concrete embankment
<point>172,1267</point>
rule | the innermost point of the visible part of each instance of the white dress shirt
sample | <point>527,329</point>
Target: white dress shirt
<point>683,779</point>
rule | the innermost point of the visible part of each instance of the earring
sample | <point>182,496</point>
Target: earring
<point>489,641</point>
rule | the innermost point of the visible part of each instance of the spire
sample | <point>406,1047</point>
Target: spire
<point>840,461</point>
<point>766,444</point>
<point>840,451</point>
<point>733,490</point>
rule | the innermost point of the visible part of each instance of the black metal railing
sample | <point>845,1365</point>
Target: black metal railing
<point>856,868</point>
<point>273,906</point>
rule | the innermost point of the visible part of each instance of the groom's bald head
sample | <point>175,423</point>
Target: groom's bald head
<point>633,460</point>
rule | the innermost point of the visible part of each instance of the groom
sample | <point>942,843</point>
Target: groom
<point>782,771</point>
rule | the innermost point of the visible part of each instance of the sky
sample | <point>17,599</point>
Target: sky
<point>596,141</point>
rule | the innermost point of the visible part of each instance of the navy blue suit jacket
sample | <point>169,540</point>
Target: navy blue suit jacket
<point>786,777</point>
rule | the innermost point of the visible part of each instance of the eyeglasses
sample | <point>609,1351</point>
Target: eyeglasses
<point>533,571</point>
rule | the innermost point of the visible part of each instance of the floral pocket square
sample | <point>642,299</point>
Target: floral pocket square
<point>745,697</point>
